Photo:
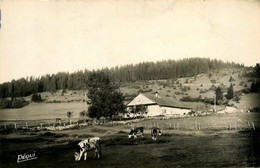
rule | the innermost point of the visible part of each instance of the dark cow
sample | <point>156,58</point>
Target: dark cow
<point>88,145</point>
<point>58,119</point>
<point>135,131</point>
<point>155,132</point>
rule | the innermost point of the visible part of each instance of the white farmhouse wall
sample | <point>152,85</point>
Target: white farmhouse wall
<point>153,110</point>
<point>174,111</point>
<point>140,100</point>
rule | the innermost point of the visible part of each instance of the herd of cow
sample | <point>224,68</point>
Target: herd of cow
<point>95,143</point>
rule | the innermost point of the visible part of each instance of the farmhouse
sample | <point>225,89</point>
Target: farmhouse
<point>155,105</point>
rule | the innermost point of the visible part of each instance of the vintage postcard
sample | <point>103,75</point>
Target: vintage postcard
<point>129,83</point>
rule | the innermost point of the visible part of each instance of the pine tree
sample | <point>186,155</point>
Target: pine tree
<point>230,92</point>
<point>105,99</point>
<point>219,95</point>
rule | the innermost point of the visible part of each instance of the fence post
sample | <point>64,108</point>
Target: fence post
<point>5,127</point>
<point>41,126</point>
<point>229,126</point>
<point>239,126</point>
<point>248,125</point>
<point>253,125</point>
<point>26,125</point>
<point>15,126</point>
<point>170,125</point>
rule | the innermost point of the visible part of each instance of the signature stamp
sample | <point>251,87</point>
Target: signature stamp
<point>26,157</point>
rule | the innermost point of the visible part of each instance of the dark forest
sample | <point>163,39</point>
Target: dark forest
<point>168,69</point>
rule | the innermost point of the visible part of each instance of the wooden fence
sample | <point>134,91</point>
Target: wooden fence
<point>252,125</point>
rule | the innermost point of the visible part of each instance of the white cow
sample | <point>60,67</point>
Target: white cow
<point>88,145</point>
<point>135,131</point>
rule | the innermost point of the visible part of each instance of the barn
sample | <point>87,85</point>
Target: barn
<point>155,105</point>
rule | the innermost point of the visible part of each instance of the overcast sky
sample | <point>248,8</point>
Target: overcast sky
<point>40,36</point>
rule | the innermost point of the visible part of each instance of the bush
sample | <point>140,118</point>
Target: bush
<point>184,89</point>
<point>36,97</point>
<point>254,109</point>
<point>5,103</point>
<point>213,81</point>
<point>14,103</point>
<point>241,83</point>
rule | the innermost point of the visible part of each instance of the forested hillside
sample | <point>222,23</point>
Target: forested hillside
<point>169,69</point>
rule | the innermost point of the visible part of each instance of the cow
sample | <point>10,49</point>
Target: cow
<point>58,119</point>
<point>88,145</point>
<point>155,132</point>
<point>135,131</point>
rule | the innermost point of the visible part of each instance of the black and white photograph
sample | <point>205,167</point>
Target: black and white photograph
<point>129,83</point>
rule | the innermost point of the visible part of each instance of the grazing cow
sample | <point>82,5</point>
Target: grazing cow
<point>135,131</point>
<point>88,145</point>
<point>155,132</point>
<point>58,119</point>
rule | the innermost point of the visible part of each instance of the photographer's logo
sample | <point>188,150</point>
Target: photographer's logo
<point>26,157</point>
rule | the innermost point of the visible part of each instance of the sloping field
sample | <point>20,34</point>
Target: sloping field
<point>43,111</point>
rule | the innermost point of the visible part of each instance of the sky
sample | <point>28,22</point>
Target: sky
<point>49,36</point>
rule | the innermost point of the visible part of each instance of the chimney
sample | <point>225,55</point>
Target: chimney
<point>157,94</point>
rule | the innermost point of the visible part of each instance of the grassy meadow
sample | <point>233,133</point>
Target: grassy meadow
<point>215,140</point>
<point>57,104</point>
<point>175,148</point>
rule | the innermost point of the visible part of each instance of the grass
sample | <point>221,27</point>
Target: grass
<point>218,149</point>
<point>37,113</point>
<point>175,148</point>
<point>43,111</point>
<point>189,147</point>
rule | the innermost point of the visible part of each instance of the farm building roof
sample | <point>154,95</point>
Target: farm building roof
<point>170,102</point>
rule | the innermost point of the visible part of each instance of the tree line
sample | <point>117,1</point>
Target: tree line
<point>255,87</point>
<point>168,69</point>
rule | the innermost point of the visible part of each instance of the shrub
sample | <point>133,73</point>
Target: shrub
<point>14,103</point>
<point>213,81</point>
<point>36,97</point>
<point>184,89</point>
<point>254,109</point>
<point>241,83</point>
